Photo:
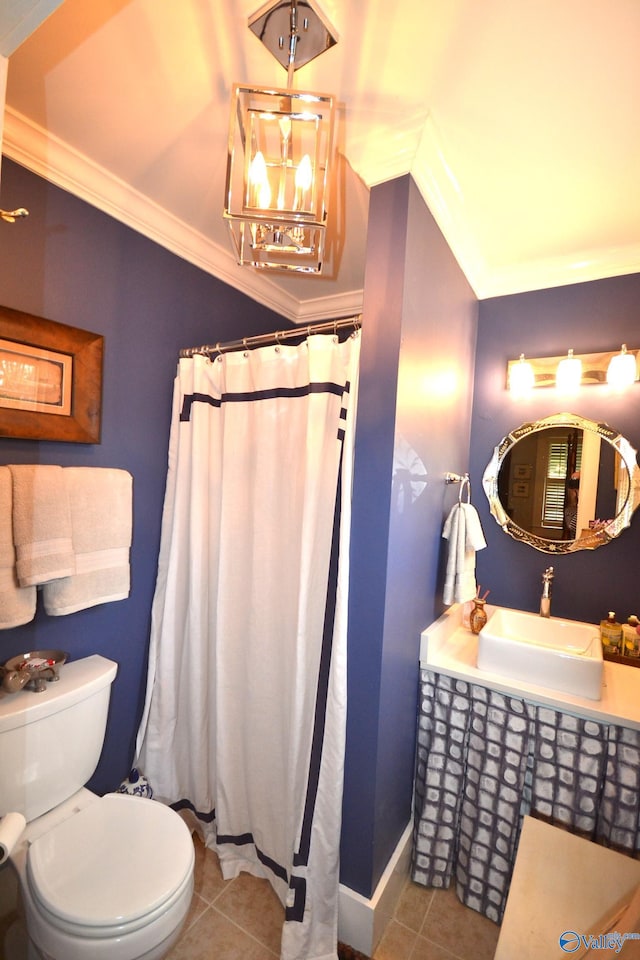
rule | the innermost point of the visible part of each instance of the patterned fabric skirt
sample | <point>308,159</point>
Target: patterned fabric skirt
<point>486,759</point>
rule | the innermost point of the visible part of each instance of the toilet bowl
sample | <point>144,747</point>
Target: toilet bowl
<point>105,877</point>
<point>100,878</point>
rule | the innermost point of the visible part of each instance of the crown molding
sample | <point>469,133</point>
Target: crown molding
<point>440,191</point>
<point>382,169</point>
<point>560,271</point>
<point>29,145</point>
<point>382,165</point>
<point>333,307</point>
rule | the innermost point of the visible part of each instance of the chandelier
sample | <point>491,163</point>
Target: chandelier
<point>280,150</point>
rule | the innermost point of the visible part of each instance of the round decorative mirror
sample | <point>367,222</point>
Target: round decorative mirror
<point>563,483</point>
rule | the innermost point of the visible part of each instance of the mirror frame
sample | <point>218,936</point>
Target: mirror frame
<point>604,534</point>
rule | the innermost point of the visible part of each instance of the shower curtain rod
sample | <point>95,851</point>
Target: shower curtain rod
<point>265,339</point>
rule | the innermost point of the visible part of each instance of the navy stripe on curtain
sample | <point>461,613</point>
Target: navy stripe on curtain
<point>303,391</point>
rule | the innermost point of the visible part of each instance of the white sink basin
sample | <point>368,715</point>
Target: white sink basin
<point>563,655</point>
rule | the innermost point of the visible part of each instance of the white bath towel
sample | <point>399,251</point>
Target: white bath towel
<point>464,532</point>
<point>41,524</point>
<point>101,520</point>
<point>17,604</point>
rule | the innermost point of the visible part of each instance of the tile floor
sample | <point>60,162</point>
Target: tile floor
<point>241,919</point>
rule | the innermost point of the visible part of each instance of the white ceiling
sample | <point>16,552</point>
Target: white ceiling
<point>518,120</point>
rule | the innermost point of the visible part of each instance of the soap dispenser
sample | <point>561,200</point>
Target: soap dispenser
<point>631,637</point>
<point>611,635</point>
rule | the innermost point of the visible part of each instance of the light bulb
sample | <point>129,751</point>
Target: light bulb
<point>569,373</point>
<point>622,369</point>
<point>304,173</point>
<point>304,179</point>
<point>521,377</point>
<point>259,180</point>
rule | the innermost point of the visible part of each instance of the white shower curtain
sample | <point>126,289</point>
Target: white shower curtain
<point>244,719</point>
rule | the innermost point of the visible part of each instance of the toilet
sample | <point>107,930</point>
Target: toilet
<point>98,877</point>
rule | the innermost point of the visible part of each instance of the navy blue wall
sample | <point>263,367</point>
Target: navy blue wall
<point>72,264</point>
<point>414,413</point>
<point>589,318</point>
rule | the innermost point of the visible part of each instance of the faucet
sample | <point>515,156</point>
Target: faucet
<point>545,600</point>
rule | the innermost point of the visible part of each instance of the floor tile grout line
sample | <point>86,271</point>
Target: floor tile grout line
<point>214,904</point>
<point>450,953</point>
<point>445,951</point>
<point>431,902</point>
<point>429,894</point>
<point>194,920</point>
<point>419,936</point>
<point>238,927</point>
<point>244,930</point>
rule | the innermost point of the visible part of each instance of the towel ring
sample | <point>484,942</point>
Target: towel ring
<point>465,482</point>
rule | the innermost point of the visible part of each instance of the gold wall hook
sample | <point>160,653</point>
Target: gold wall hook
<point>10,216</point>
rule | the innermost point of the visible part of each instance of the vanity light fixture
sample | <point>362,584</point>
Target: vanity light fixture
<point>618,369</point>
<point>280,150</point>
<point>569,373</point>
<point>622,370</point>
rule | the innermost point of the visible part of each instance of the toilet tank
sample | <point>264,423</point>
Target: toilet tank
<point>50,742</point>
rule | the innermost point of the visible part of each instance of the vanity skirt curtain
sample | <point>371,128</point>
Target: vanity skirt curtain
<point>244,722</point>
<point>485,759</point>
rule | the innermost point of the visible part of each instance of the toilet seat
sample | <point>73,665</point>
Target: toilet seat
<point>112,868</point>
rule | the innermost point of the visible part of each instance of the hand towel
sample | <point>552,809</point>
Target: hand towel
<point>464,532</point>
<point>41,524</point>
<point>17,604</point>
<point>101,520</point>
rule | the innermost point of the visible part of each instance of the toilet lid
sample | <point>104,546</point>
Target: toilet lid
<point>114,861</point>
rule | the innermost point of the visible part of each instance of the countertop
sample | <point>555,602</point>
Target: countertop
<point>449,648</point>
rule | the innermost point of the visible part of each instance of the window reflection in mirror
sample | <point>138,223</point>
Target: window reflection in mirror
<point>563,483</point>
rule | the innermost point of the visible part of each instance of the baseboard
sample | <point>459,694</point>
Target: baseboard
<point>361,921</point>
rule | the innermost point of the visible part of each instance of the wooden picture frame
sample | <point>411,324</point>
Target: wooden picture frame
<point>50,379</point>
